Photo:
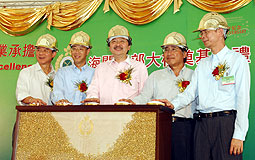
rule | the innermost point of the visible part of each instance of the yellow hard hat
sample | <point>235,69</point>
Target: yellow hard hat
<point>118,31</point>
<point>80,38</point>
<point>175,38</point>
<point>47,41</point>
<point>212,20</point>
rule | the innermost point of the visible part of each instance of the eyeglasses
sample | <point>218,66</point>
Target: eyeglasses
<point>44,50</point>
<point>206,32</point>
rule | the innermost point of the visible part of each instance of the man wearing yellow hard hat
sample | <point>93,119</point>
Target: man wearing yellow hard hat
<point>31,85</point>
<point>166,84</point>
<point>71,82</point>
<point>122,77</point>
<point>222,84</point>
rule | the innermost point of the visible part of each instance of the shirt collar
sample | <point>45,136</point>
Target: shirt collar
<point>221,54</point>
<point>39,68</point>
<point>82,68</point>
<point>52,70</point>
<point>170,69</point>
<point>127,60</point>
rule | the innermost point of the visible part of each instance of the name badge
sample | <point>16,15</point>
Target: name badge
<point>228,80</point>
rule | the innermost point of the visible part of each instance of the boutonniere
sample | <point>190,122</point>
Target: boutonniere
<point>125,76</point>
<point>219,71</point>
<point>82,86</point>
<point>182,84</point>
<point>49,82</point>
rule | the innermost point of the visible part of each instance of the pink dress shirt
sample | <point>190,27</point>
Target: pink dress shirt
<point>109,89</point>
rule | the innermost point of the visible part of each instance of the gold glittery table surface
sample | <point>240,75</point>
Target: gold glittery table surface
<point>53,136</point>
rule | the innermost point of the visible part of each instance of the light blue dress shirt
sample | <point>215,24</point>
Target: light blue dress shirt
<point>65,87</point>
<point>213,96</point>
<point>162,84</point>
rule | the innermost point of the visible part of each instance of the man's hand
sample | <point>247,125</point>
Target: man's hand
<point>167,103</point>
<point>128,100</point>
<point>34,101</point>
<point>63,102</point>
<point>236,147</point>
<point>91,100</point>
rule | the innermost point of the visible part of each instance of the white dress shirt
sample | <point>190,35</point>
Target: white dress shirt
<point>32,82</point>
<point>215,97</point>
<point>162,84</point>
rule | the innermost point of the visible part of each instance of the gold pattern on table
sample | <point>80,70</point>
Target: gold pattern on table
<point>42,138</point>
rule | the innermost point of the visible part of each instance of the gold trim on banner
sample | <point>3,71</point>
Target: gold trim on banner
<point>64,16</point>
<point>41,137</point>
<point>70,15</point>
<point>106,6</point>
<point>73,14</point>
<point>221,6</point>
<point>177,5</point>
<point>139,11</point>
<point>51,9</point>
<point>18,22</point>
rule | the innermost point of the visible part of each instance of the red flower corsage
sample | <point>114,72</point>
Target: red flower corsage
<point>182,84</point>
<point>125,76</point>
<point>220,70</point>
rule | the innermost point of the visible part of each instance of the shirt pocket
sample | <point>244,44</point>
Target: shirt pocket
<point>226,88</point>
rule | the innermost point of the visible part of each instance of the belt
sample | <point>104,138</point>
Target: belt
<point>180,119</point>
<point>214,114</point>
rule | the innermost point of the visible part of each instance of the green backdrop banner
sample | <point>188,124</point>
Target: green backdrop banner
<point>18,52</point>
